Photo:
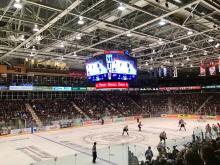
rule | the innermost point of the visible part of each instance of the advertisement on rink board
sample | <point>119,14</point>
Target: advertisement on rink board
<point>187,116</point>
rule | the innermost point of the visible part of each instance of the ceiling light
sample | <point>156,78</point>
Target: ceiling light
<point>205,53</point>
<point>191,65</point>
<point>151,68</point>
<point>178,1</point>
<point>80,21</point>
<point>187,59</point>
<point>160,41</point>
<point>171,55</point>
<point>151,59</point>
<point>74,54</point>
<point>22,38</point>
<point>210,39</point>
<point>217,45</point>
<point>78,37</point>
<point>17,4</point>
<point>26,59</point>
<point>153,51</point>
<point>38,38</point>
<point>182,64</point>
<point>61,58</point>
<point>35,29</point>
<point>129,34</point>
<point>33,48</point>
<point>146,64</point>
<point>121,7</point>
<point>162,22</point>
<point>189,32</point>
<point>62,45</point>
<point>184,47</point>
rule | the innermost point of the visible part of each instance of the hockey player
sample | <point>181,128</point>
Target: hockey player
<point>208,130</point>
<point>163,136</point>
<point>139,125</point>
<point>125,129</point>
<point>182,124</point>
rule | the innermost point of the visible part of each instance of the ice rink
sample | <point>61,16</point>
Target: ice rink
<point>73,145</point>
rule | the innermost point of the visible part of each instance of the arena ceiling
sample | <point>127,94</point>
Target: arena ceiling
<point>178,33</point>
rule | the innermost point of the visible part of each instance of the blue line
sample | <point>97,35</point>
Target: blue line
<point>75,149</point>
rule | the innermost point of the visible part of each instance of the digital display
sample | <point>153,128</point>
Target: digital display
<point>112,66</point>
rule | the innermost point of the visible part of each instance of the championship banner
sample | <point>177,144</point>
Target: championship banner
<point>212,70</point>
<point>175,72</point>
<point>202,69</point>
<point>219,65</point>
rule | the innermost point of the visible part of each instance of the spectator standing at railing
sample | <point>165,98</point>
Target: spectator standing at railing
<point>149,154</point>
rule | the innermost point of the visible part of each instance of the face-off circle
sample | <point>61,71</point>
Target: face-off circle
<point>107,138</point>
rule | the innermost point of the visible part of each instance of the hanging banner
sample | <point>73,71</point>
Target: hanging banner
<point>219,65</point>
<point>202,69</point>
<point>212,70</point>
<point>175,72</point>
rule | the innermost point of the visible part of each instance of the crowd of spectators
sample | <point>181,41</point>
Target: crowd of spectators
<point>98,105</point>
<point>10,111</point>
<point>52,110</point>
<point>198,152</point>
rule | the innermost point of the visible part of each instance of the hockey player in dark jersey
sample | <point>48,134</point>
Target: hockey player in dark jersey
<point>182,124</point>
<point>139,125</point>
<point>125,129</point>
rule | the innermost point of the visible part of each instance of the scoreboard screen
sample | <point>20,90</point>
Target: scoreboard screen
<point>111,66</point>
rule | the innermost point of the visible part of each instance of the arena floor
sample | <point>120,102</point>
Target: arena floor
<point>42,148</point>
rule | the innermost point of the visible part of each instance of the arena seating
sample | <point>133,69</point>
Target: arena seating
<point>10,110</point>
<point>52,110</point>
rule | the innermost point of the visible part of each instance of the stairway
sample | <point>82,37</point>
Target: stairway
<point>34,115</point>
<point>75,107</point>
<point>203,104</point>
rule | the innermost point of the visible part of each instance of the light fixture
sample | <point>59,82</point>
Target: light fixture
<point>151,68</point>
<point>26,59</point>
<point>171,55</point>
<point>184,47</point>
<point>189,32</point>
<point>80,21</point>
<point>22,38</point>
<point>38,38</point>
<point>191,65</point>
<point>61,58</point>
<point>146,64</point>
<point>121,7</point>
<point>151,59</point>
<point>162,22</point>
<point>210,39</point>
<point>205,53</point>
<point>160,41</point>
<point>182,64</point>
<point>217,45</point>
<point>74,54</point>
<point>18,4</point>
<point>33,48</point>
<point>187,59</point>
<point>62,45</point>
<point>35,29</point>
<point>129,34</point>
<point>153,51</point>
<point>78,37</point>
